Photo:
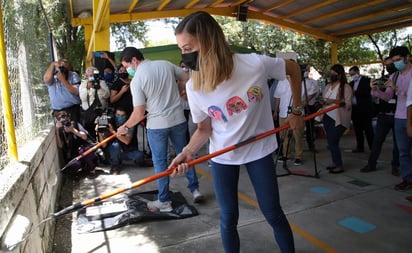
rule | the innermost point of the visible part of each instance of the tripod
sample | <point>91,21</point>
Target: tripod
<point>289,133</point>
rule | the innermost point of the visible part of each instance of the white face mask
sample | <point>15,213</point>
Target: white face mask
<point>355,77</point>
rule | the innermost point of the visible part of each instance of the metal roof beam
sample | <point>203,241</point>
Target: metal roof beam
<point>132,6</point>
<point>310,8</point>
<point>366,17</point>
<point>337,13</point>
<point>163,4</point>
<point>280,4</point>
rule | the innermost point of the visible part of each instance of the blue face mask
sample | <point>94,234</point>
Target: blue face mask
<point>120,119</point>
<point>131,71</point>
<point>400,65</point>
<point>108,76</point>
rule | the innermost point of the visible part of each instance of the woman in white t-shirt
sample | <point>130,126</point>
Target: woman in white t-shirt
<point>229,100</point>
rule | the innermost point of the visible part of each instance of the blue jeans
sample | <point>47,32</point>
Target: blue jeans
<point>263,177</point>
<point>159,145</point>
<point>333,135</point>
<point>404,146</point>
<point>384,124</point>
<point>117,154</point>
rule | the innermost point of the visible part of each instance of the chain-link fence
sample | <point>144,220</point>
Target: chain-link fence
<point>27,52</point>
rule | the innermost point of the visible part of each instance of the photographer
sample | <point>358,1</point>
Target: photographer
<point>71,139</point>
<point>94,95</point>
<point>63,88</point>
<point>122,148</point>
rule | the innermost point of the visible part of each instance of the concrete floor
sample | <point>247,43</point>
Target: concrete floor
<point>348,212</point>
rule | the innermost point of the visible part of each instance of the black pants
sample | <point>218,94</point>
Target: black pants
<point>362,124</point>
<point>310,127</point>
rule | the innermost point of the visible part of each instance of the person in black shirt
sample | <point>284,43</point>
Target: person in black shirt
<point>120,95</point>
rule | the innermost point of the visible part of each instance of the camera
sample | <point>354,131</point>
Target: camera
<point>381,81</point>
<point>66,123</point>
<point>95,79</point>
<point>103,122</point>
<point>62,70</point>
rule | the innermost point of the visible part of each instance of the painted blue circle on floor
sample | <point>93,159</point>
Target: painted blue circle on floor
<point>321,190</point>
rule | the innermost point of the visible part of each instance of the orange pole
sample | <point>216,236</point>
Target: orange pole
<point>167,172</point>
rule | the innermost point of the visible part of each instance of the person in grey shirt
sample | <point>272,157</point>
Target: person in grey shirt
<point>154,90</point>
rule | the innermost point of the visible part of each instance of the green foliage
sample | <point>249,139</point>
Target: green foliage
<point>69,40</point>
<point>129,32</point>
<point>271,39</point>
<point>355,50</point>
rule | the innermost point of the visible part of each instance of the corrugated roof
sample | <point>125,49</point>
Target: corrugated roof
<point>330,20</point>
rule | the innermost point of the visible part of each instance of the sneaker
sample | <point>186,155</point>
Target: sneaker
<point>197,196</point>
<point>367,169</point>
<point>297,162</point>
<point>115,170</point>
<point>404,185</point>
<point>157,206</point>
<point>283,159</point>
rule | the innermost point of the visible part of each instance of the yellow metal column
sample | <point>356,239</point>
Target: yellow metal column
<point>100,39</point>
<point>334,52</point>
<point>88,30</point>
<point>6,101</point>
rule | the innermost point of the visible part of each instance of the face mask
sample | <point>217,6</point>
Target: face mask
<point>131,71</point>
<point>108,76</point>
<point>334,78</point>
<point>391,68</point>
<point>400,65</point>
<point>124,75</point>
<point>190,60</point>
<point>355,77</point>
<point>120,119</point>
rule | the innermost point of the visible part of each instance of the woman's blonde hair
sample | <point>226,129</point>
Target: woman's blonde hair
<point>215,59</point>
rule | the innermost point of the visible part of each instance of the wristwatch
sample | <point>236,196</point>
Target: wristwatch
<point>298,110</point>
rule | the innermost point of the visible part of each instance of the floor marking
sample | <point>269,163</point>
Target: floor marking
<point>322,190</point>
<point>357,225</point>
<point>308,237</point>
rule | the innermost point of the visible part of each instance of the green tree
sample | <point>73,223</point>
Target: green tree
<point>129,32</point>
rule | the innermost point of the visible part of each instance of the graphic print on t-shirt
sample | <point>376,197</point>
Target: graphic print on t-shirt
<point>216,113</point>
<point>235,105</point>
<point>255,94</point>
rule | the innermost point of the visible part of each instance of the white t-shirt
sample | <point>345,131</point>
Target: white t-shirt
<point>284,93</point>
<point>239,108</point>
<point>332,93</point>
<point>312,88</point>
<point>154,85</point>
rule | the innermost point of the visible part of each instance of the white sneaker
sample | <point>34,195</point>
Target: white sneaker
<point>197,196</point>
<point>156,205</point>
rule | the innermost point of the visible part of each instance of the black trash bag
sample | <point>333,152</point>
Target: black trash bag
<point>130,210</point>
